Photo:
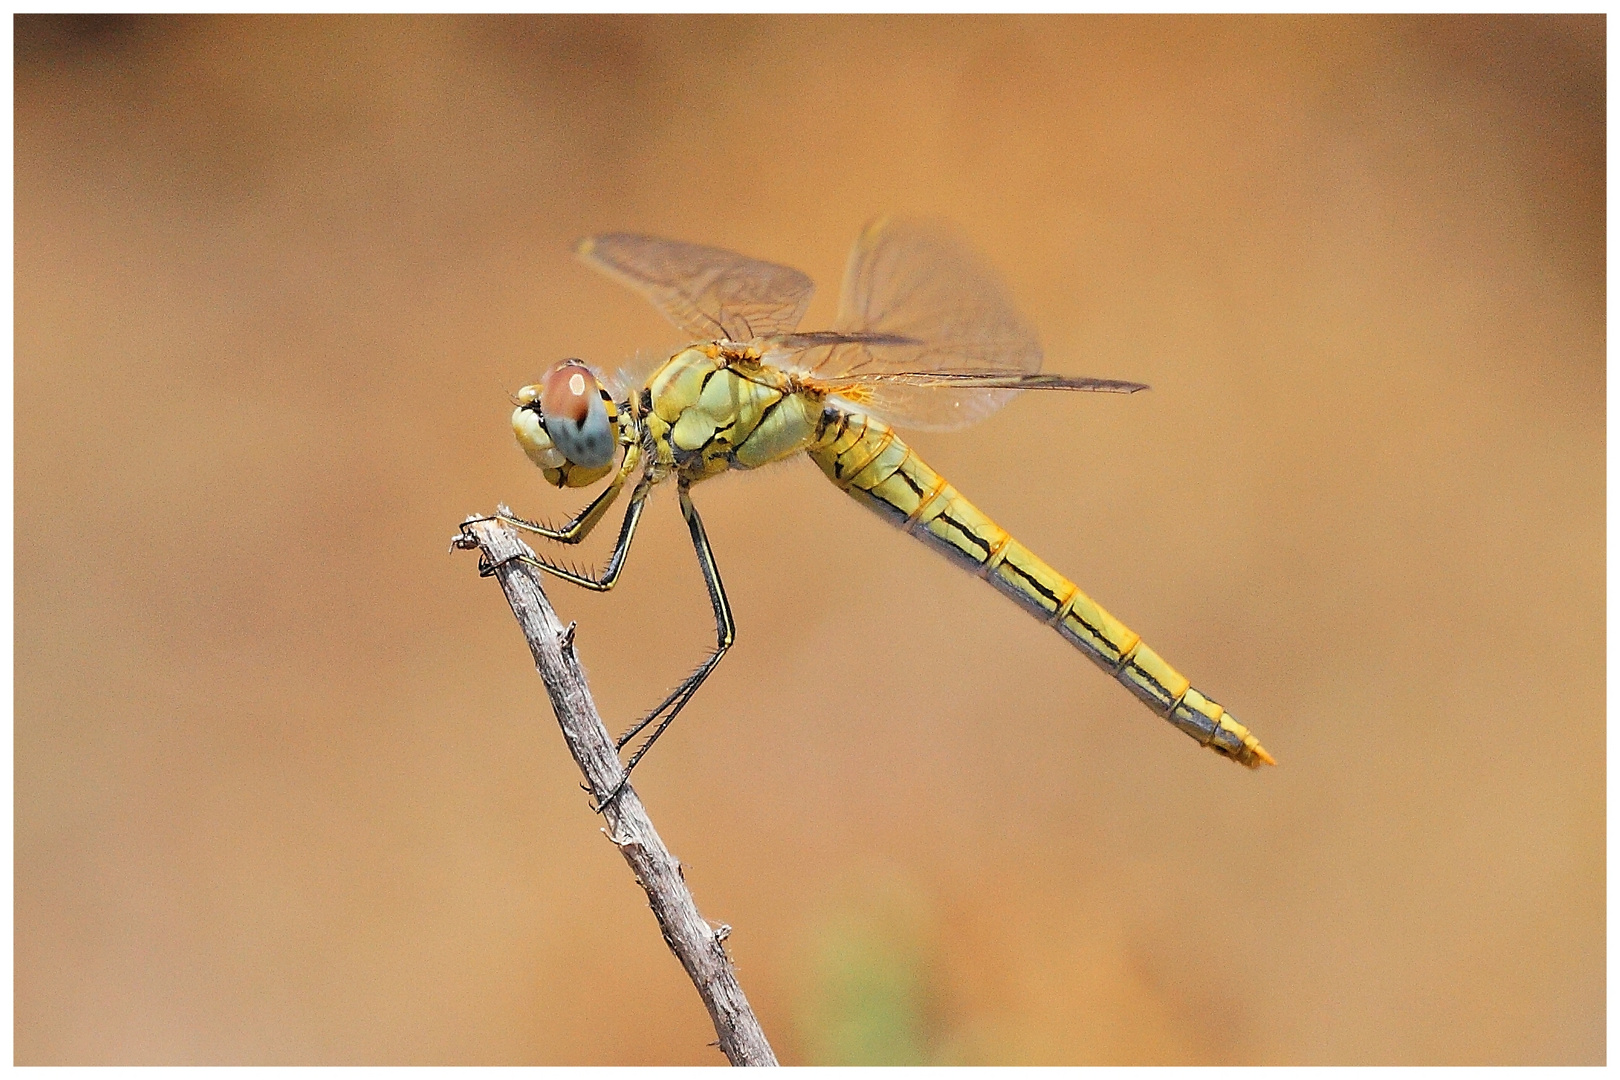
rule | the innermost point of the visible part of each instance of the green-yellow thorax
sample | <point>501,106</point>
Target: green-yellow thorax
<point>711,411</point>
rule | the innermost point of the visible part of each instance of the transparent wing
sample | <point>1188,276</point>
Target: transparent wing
<point>708,292</point>
<point>926,335</point>
<point>975,380</point>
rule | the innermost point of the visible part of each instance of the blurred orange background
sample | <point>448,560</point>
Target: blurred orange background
<point>289,790</point>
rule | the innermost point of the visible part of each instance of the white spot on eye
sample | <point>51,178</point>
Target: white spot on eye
<point>576,384</point>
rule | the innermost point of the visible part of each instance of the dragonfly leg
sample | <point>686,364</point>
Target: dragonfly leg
<point>725,633</point>
<point>610,576</point>
<point>581,524</point>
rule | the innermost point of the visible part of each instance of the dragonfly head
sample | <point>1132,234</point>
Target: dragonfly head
<point>567,424</point>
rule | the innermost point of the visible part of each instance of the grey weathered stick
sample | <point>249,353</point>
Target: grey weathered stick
<point>695,943</point>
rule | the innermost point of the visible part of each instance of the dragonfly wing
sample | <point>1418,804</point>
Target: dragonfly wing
<point>708,292</point>
<point>918,300</point>
<point>974,380</point>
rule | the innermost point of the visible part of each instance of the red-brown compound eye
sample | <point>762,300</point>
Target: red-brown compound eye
<point>568,392</point>
<point>575,418</point>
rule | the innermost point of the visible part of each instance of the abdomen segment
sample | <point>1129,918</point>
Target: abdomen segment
<point>867,459</point>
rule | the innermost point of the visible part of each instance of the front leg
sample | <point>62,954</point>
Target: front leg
<point>610,576</point>
<point>587,519</point>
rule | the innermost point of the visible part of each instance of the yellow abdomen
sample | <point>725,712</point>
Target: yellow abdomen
<point>867,459</point>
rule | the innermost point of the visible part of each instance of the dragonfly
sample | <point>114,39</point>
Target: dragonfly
<point>926,337</point>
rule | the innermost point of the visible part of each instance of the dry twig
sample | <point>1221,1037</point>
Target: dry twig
<point>695,943</point>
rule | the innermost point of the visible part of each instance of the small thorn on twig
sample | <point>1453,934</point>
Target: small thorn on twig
<point>722,932</point>
<point>567,639</point>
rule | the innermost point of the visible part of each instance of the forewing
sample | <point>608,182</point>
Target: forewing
<point>977,380</point>
<point>917,301</point>
<point>708,292</point>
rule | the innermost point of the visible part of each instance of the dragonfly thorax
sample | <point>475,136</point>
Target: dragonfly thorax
<point>713,408</point>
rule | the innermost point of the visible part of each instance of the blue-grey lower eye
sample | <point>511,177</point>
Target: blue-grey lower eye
<point>588,442</point>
